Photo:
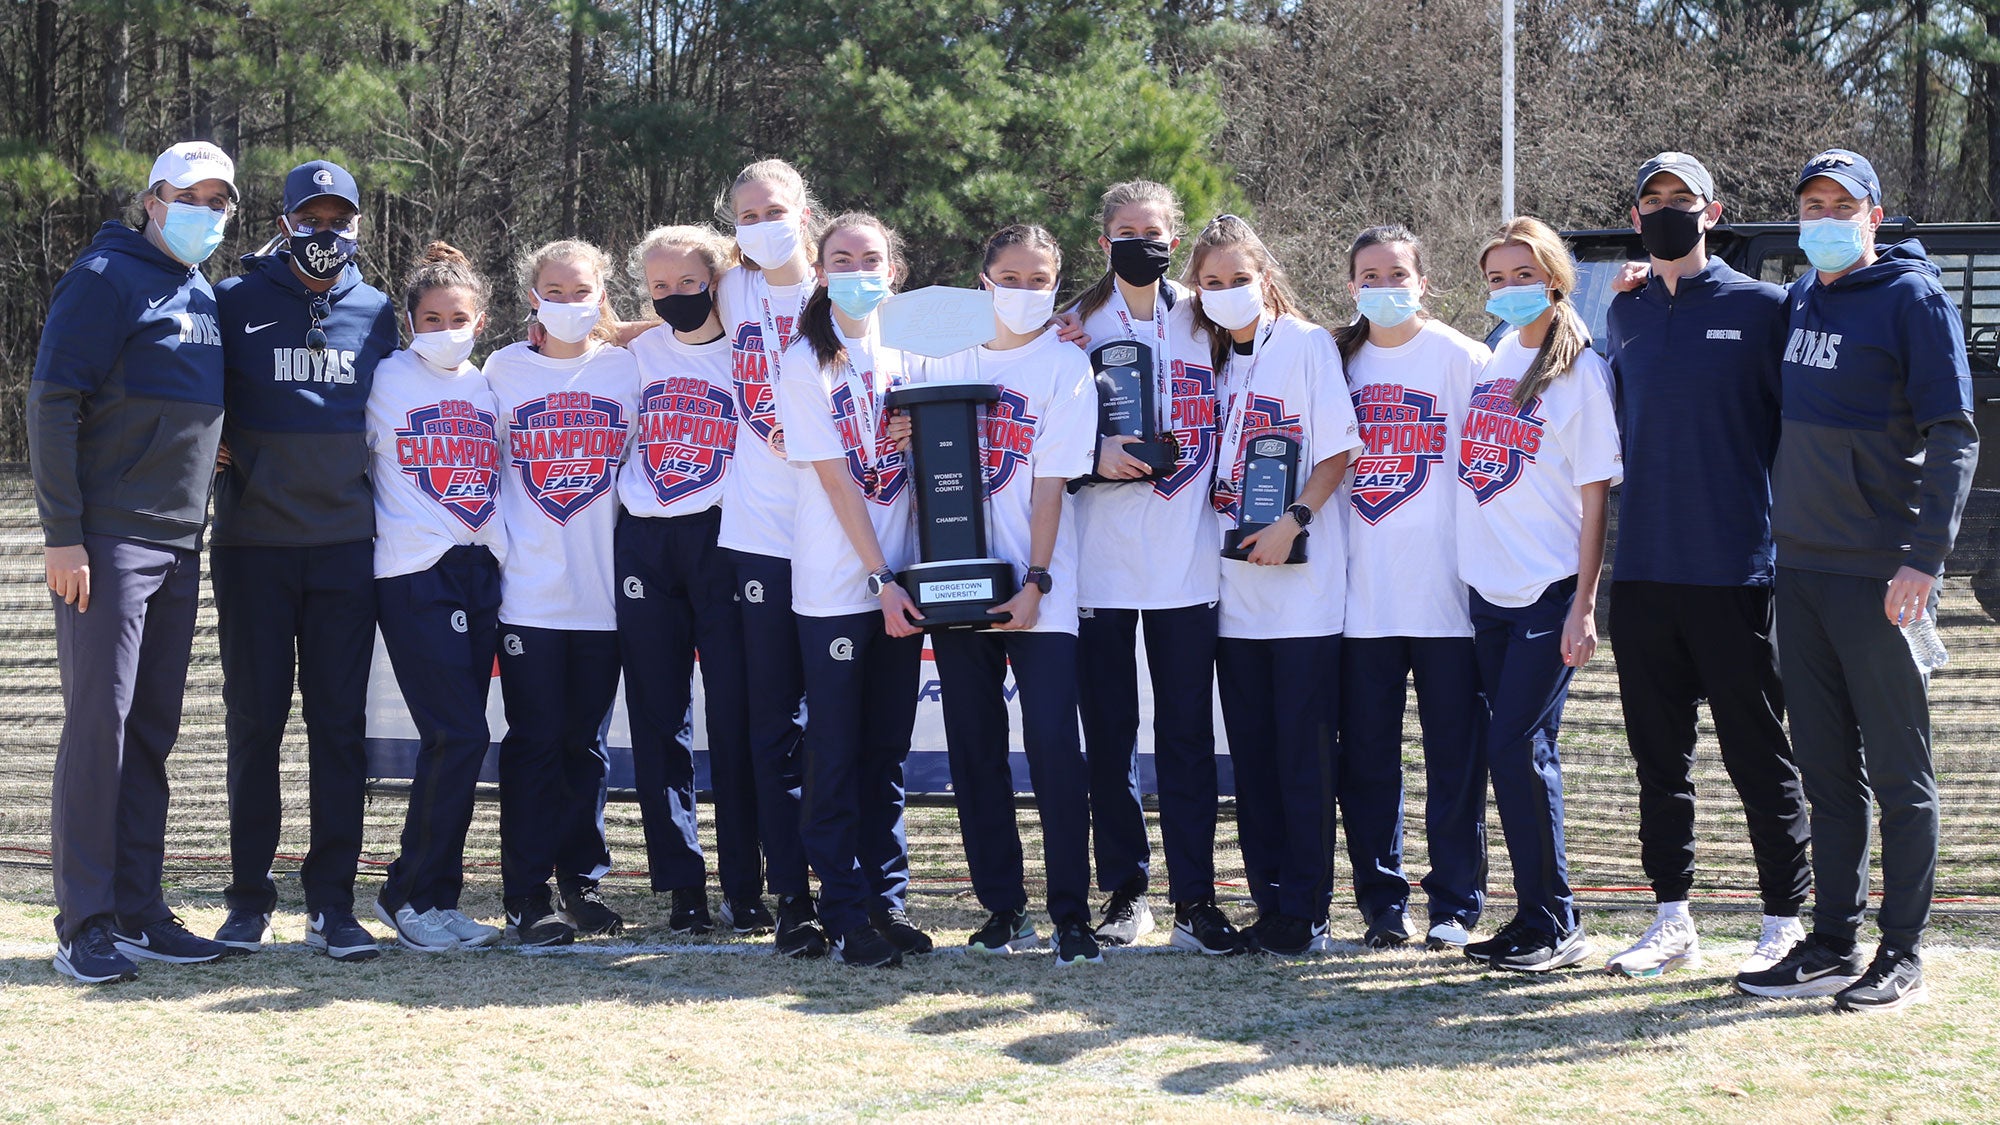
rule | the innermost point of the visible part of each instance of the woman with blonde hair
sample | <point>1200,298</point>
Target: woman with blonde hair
<point>1537,454</point>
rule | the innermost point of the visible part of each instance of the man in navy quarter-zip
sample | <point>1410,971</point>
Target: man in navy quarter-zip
<point>1695,358</point>
<point>294,555</point>
<point>1873,468</point>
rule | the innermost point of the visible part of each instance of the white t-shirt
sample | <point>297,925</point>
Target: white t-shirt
<point>762,488</point>
<point>1520,514</point>
<point>817,407</point>
<point>567,423</point>
<point>1151,544</point>
<point>1400,502</point>
<point>1044,425</point>
<point>685,437</point>
<point>1291,383</point>
<point>435,438</point>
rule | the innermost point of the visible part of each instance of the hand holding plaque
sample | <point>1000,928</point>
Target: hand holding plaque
<point>1270,486</point>
<point>1128,405</point>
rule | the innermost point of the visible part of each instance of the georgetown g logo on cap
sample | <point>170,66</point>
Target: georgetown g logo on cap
<point>1847,168</point>
<point>315,178</point>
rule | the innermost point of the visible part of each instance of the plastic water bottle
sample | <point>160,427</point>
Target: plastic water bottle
<point>1926,647</point>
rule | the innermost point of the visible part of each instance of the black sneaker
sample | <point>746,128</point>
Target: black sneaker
<point>747,916</point>
<point>534,924</point>
<point>1203,928</point>
<point>798,929</point>
<point>690,914</point>
<point>1895,979</point>
<point>90,956</point>
<point>901,932</point>
<point>587,911</point>
<point>1005,931</point>
<point>246,930</point>
<point>341,936</point>
<point>1127,918</point>
<point>1813,968</point>
<point>1289,936</point>
<point>1386,931</point>
<point>1499,942</point>
<point>166,940</point>
<point>867,947</point>
<point>1074,944</point>
<point>1533,951</point>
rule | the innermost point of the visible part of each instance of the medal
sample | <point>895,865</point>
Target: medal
<point>871,482</point>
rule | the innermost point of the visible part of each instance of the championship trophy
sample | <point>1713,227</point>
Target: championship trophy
<point>957,580</point>
<point>1270,486</point>
<point>1128,404</point>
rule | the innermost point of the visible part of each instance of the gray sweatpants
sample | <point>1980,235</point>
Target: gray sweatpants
<point>124,671</point>
<point>1861,727</point>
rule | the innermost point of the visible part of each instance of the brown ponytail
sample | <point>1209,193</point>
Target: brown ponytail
<point>444,266</point>
<point>816,322</point>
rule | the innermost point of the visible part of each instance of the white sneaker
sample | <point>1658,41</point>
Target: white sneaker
<point>1447,936</point>
<point>1669,943</point>
<point>470,934</point>
<point>1774,944</point>
<point>423,933</point>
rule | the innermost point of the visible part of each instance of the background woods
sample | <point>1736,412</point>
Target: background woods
<point>500,124</point>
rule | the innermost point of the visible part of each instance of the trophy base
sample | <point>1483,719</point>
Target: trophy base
<point>1161,456</point>
<point>957,594</point>
<point>1232,544</point>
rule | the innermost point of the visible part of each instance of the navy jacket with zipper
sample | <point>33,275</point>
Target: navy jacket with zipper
<point>1696,374</point>
<point>1878,446</point>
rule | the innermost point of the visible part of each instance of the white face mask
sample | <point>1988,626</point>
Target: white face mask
<point>1023,310</point>
<point>569,323</point>
<point>770,243</point>
<point>1234,308</point>
<point>446,348</point>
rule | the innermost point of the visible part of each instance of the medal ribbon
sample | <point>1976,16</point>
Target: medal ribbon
<point>865,394</point>
<point>1163,388</point>
<point>1232,416</point>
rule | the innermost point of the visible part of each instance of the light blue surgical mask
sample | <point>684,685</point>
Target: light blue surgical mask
<point>1388,307</point>
<point>1519,305</point>
<point>1832,245</point>
<point>192,232</point>
<point>858,293</point>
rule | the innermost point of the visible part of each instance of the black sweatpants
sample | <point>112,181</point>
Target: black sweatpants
<point>1677,645</point>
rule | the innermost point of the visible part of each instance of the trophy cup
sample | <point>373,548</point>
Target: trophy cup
<point>1270,486</point>
<point>1128,405</point>
<point>957,580</point>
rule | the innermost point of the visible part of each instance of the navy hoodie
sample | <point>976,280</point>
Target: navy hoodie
<point>1878,447</point>
<point>1697,381</point>
<point>125,407</point>
<point>297,420</point>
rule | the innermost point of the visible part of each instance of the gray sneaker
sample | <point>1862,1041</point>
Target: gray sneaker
<point>470,934</point>
<point>420,933</point>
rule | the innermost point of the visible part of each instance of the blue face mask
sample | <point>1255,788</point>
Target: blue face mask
<point>1519,305</point>
<point>192,233</point>
<point>1386,308</point>
<point>859,292</point>
<point>1832,245</point>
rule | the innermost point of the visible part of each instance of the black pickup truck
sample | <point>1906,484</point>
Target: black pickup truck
<point>1967,255</point>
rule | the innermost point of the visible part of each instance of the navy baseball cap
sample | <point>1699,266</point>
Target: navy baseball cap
<point>1850,170</point>
<point>1687,168</point>
<point>315,178</point>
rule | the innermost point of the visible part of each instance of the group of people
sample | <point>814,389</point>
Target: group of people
<point>727,476</point>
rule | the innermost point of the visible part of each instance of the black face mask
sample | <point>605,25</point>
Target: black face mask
<point>685,312</point>
<point>323,254</point>
<point>1669,233</point>
<point>1140,261</point>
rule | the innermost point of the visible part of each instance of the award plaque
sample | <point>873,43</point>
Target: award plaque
<point>1127,406</point>
<point>1270,485</point>
<point>956,580</point>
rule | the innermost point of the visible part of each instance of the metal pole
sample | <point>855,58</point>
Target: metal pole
<point>1506,109</point>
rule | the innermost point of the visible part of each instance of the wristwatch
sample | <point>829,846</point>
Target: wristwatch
<point>1301,513</point>
<point>879,581</point>
<point>1040,578</point>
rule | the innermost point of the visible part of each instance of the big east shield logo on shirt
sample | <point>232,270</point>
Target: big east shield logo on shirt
<point>1010,439</point>
<point>1499,440</point>
<point>1193,422</point>
<point>750,368</point>
<point>1402,443</point>
<point>889,468</point>
<point>565,447</point>
<point>450,451</point>
<point>687,433</point>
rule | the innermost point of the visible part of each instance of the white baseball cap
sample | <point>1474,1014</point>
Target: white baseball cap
<point>190,162</point>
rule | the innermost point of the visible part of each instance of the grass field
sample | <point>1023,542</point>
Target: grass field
<point>653,1027</point>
